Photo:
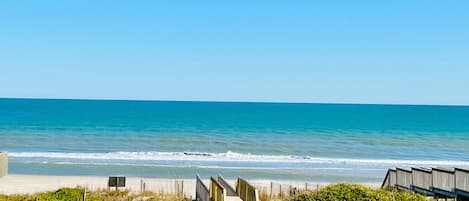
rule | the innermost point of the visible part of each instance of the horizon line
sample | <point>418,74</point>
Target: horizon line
<point>231,101</point>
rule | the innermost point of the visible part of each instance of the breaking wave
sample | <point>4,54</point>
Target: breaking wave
<point>229,157</point>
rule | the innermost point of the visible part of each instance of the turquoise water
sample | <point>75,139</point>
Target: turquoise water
<point>314,142</point>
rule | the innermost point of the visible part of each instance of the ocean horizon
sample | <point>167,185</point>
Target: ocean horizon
<point>279,141</point>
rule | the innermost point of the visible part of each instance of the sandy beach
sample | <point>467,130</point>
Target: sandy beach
<point>22,184</point>
<point>25,184</point>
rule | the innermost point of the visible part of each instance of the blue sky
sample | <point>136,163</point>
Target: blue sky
<point>400,52</point>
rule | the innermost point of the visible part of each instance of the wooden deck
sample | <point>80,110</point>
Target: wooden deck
<point>436,182</point>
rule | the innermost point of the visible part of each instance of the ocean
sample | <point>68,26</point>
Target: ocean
<point>274,141</point>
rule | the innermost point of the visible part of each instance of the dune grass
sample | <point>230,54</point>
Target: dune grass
<point>342,192</point>
<point>76,194</point>
<point>335,192</point>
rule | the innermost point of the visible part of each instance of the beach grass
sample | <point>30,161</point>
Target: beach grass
<point>77,194</point>
<point>355,192</point>
<point>334,192</point>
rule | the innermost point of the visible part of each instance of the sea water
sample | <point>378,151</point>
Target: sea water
<point>278,141</point>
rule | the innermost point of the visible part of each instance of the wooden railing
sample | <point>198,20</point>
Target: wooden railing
<point>246,191</point>
<point>403,178</point>
<point>3,164</point>
<point>462,179</point>
<point>437,182</point>
<point>217,192</point>
<point>422,178</point>
<point>443,179</point>
<point>202,193</point>
<point>230,191</point>
<point>390,179</point>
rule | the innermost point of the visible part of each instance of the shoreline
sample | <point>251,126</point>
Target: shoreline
<point>29,183</point>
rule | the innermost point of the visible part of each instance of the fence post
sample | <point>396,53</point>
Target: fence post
<point>84,195</point>
<point>280,192</point>
<point>271,187</point>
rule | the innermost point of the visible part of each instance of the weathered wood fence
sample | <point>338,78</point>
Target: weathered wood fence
<point>422,180</point>
<point>437,182</point>
<point>202,193</point>
<point>217,192</point>
<point>390,179</point>
<point>230,191</point>
<point>246,191</point>
<point>443,182</point>
<point>462,184</point>
<point>403,179</point>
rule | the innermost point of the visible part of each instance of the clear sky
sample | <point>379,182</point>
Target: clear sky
<point>401,52</point>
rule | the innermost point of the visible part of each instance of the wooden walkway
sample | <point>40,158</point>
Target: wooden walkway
<point>435,182</point>
<point>220,190</point>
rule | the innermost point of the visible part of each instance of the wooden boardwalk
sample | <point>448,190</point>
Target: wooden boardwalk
<point>435,182</point>
<point>220,190</point>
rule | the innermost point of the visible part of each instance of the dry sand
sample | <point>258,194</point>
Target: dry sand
<point>23,184</point>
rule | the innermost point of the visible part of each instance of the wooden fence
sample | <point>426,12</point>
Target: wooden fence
<point>246,191</point>
<point>403,179</point>
<point>422,181</point>
<point>217,192</point>
<point>3,164</point>
<point>443,179</point>
<point>462,179</point>
<point>462,184</point>
<point>389,179</point>
<point>437,182</point>
<point>230,191</point>
<point>202,193</point>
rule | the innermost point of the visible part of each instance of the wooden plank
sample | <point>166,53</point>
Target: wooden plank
<point>403,179</point>
<point>233,198</point>
<point>422,178</point>
<point>246,191</point>
<point>3,164</point>
<point>230,191</point>
<point>390,179</point>
<point>217,192</point>
<point>462,179</point>
<point>202,192</point>
<point>443,179</point>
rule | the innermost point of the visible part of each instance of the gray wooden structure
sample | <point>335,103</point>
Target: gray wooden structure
<point>462,184</point>
<point>3,164</point>
<point>403,179</point>
<point>202,192</point>
<point>220,190</point>
<point>390,179</point>
<point>422,181</point>
<point>230,191</point>
<point>436,182</point>
<point>443,183</point>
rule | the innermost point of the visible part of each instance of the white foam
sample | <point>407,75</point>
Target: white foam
<point>229,157</point>
<point>199,166</point>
